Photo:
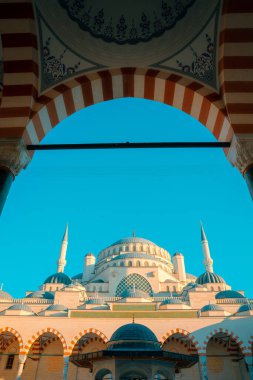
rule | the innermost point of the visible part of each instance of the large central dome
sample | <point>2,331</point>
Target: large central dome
<point>134,247</point>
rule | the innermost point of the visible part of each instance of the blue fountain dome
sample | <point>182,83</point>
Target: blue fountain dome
<point>58,278</point>
<point>133,336</point>
<point>228,294</point>
<point>212,307</point>
<point>41,294</point>
<point>209,278</point>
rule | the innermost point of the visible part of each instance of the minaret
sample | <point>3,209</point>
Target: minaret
<point>208,262</point>
<point>62,258</point>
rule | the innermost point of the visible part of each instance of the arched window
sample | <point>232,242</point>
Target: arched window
<point>134,248</point>
<point>122,263</point>
<point>212,288</point>
<point>100,289</point>
<point>145,263</point>
<point>127,248</point>
<point>114,264</point>
<point>174,289</point>
<point>168,288</point>
<point>219,288</point>
<point>94,288</point>
<point>138,263</point>
<point>130,264</point>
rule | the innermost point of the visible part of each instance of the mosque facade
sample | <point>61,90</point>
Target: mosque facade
<point>132,313</point>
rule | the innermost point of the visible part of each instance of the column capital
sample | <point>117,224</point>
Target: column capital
<point>13,155</point>
<point>22,358</point>
<point>240,153</point>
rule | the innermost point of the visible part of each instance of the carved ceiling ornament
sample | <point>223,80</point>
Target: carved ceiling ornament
<point>130,24</point>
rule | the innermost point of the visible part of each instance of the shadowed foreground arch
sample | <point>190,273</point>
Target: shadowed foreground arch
<point>195,99</point>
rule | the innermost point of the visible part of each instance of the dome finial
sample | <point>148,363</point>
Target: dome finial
<point>133,318</point>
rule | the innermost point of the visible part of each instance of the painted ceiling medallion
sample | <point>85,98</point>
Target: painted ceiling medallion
<point>128,22</point>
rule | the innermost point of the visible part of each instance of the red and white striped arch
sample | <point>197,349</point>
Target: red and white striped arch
<point>82,333</point>
<point>230,333</point>
<point>236,63</point>
<point>183,332</point>
<point>191,97</point>
<point>16,335</point>
<point>35,336</point>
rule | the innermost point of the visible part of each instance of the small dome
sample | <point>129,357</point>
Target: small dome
<point>171,301</point>
<point>41,294</point>
<point>134,293</point>
<point>228,294</point>
<point>21,306</point>
<point>212,307</point>
<point>95,301</point>
<point>89,254</point>
<point>58,278</point>
<point>177,254</point>
<point>133,336</point>
<point>246,307</point>
<point>57,308</point>
<point>5,295</point>
<point>209,278</point>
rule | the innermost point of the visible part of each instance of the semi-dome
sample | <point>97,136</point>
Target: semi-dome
<point>212,307</point>
<point>5,295</point>
<point>228,294</point>
<point>209,278</point>
<point>246,307</point>
<point>41,294</point>
<point>133,336</point>
<point>58,278</point>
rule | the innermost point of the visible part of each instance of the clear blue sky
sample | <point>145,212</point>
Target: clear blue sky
<point>104,195</point>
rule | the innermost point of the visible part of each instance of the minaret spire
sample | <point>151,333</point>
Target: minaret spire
<point>208,262</point>
<point>62,258</point>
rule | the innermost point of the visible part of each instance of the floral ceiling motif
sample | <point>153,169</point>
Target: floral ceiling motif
<point>136,21</point>
<point>198,59</point>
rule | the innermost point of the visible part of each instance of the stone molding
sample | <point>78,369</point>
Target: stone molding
<point>13,155</point>
<point>241,152</point>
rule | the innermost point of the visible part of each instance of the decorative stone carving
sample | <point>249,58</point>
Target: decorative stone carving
<point>241,152</point>
<point>13,155</point>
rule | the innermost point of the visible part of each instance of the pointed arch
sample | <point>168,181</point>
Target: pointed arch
<point>17,336</point>
<point>200,102</point>
<point>43,331</point>
<point>84,332</point>
<point>186,333</point>
<point>230,333</point>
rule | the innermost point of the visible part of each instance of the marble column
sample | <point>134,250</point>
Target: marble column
<point>66,367</point>
<point>203,367</point>
<point>240,155</point>
<point>13,158</point>
<point>21,363</point>
<point>249,362</point>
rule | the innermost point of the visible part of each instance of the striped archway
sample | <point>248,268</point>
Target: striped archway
<point>191,97</point>
<point>17,336</point>
<point>230,333</point>
<point>77,337</point>
<point>183,332</point>
<point>53,331</point>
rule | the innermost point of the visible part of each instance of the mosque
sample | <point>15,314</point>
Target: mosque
<point>133,313</point>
